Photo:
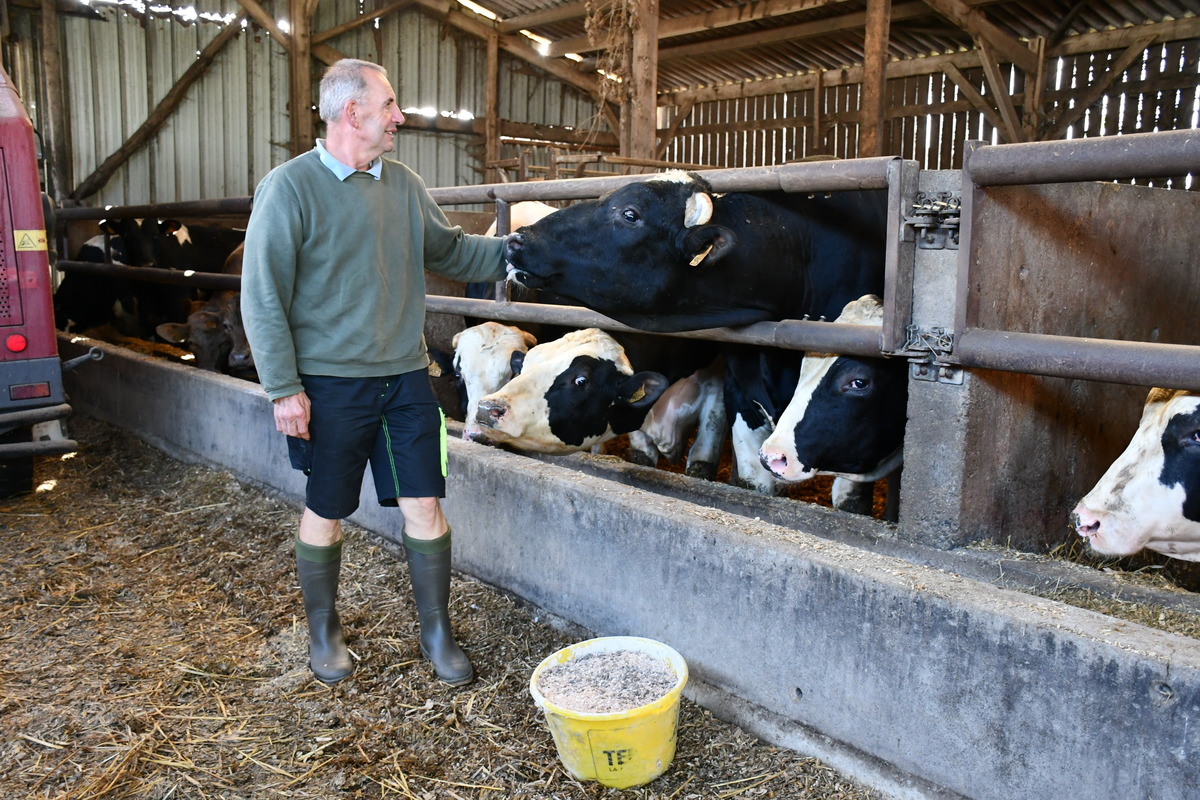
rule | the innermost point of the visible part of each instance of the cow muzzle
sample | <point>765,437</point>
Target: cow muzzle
<point>491,412</point>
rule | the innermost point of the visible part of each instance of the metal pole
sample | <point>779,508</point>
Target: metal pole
<point>202,280</point>
<point>1105,158</point>
<point>820,337</point>
<point>185,208</point>
<point>1171,366</point>
<point>815,176</point>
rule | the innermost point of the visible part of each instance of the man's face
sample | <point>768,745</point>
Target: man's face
<point>378,115</point>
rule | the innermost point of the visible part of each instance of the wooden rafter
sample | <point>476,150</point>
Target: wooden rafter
<point>513,45</point>
<point>1013,132</point>
<point>257,13</point>
<point>707,21</point>
<point>974,22</point>
<point>972,94</point>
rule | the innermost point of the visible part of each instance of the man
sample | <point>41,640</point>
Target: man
<point>333,297</point>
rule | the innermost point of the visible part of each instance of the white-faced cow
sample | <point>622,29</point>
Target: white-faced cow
<point>1150,496</point>
<point>666,254</point>
<point>483,362</point>
<point>846,417</point>
<point>571,394</point>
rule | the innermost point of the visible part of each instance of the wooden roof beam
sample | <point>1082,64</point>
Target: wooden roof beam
<point>707,21</point>
<point>974,22</point>
<point>257,13</point>
<point>512,44</point>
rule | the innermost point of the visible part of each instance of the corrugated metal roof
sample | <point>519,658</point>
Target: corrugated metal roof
<point>824,36</point>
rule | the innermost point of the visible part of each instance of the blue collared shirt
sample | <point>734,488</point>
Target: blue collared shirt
<point>341,170</point>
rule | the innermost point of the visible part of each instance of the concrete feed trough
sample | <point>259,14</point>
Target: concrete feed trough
<point>916,680</point>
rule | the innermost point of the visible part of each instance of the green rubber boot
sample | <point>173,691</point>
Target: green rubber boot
<point>318,569</point>
<point>429,569</point>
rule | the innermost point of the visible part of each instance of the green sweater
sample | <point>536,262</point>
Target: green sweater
<point>333,278</point>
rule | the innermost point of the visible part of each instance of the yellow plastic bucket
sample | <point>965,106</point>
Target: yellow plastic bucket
<point>623,748</point>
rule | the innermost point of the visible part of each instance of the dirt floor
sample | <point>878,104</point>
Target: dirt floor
<point>153,646</point>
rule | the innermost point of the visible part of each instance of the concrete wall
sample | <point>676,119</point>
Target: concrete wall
<point>910,678</point>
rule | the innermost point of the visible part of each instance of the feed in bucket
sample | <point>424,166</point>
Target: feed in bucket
<point>612,706</point>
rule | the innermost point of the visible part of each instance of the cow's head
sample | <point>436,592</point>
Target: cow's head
<point>644,253</point>
<point>571,394</point>
<point>483,362</point>
<point>847,415</point>
<point>1150,496</point>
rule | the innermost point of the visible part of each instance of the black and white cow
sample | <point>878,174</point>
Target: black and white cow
<point>846,417</point>
<point>666,254</point>
<point>484,362</point>
<point>1150,497</point>
<point>86,301</point>
<point>571,394</point>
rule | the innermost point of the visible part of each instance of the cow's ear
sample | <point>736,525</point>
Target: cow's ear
<point>636,395</point>
<point>699,209</point>
<point>707,244</point>
<point>516,361</point>
<point>173,332</point>
<point>169,226</point>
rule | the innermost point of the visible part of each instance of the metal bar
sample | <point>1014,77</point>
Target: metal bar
<point>184,208</point>
<point>1139,155</point>
<point>822,337</point>
<point>32,416</point>
<point>1172,366</point>
<point>53,447</point>
<point>815,176</point>
<point>202,280</point>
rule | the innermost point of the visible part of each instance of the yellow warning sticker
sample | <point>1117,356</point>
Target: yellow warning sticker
<point>30,240</point>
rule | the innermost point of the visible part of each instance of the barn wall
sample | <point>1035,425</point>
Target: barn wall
<point>928,117</point>
<point>233,126</point>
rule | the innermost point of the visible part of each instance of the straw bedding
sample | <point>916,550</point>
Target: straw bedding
<point>152,645</point>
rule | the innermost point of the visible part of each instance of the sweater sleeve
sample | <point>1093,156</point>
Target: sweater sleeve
<point>273,237</point>
<point>454,254</point>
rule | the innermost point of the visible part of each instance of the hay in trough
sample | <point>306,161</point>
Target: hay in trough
<point>153,646</point>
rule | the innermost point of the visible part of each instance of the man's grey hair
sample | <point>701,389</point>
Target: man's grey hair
<point>343,82</point>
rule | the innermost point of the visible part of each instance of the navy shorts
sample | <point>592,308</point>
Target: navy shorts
<point>394,422</point>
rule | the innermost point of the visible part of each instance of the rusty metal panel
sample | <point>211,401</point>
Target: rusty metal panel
<point>1097,260</point>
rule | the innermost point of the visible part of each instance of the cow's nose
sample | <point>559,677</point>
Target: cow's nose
<point>513,243</point>
<point>1085,523</point>
<point>490,412</point>
<point>774,462</point>
<point>241,360</point>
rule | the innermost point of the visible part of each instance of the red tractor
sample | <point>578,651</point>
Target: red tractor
<point>32,403</point>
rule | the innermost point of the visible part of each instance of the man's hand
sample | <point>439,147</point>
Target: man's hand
<point>292,414</point>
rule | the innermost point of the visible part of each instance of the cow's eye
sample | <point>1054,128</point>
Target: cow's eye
<point>859,384</point>
<point>629,215</point>
<point>581,381</point>
<point>1194,438</point>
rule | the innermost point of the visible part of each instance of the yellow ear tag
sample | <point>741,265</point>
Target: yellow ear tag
<point>700,257</point>
<point>639,394</point>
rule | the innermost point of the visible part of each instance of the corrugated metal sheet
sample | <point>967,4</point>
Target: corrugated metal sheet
<point>233,126</point>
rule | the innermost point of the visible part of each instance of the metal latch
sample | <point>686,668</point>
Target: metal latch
<point>932,343</point>
<point>934,221</point>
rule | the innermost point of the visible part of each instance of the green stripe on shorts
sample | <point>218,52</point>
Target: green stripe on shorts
<point>442,414</point>
<point>387,436</point>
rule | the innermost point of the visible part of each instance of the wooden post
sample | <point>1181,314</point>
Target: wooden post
<point>872,105</point>
<point>59,161</point>
<point>301,84</point>
<point>642,97</point>
<point>491,122</point>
